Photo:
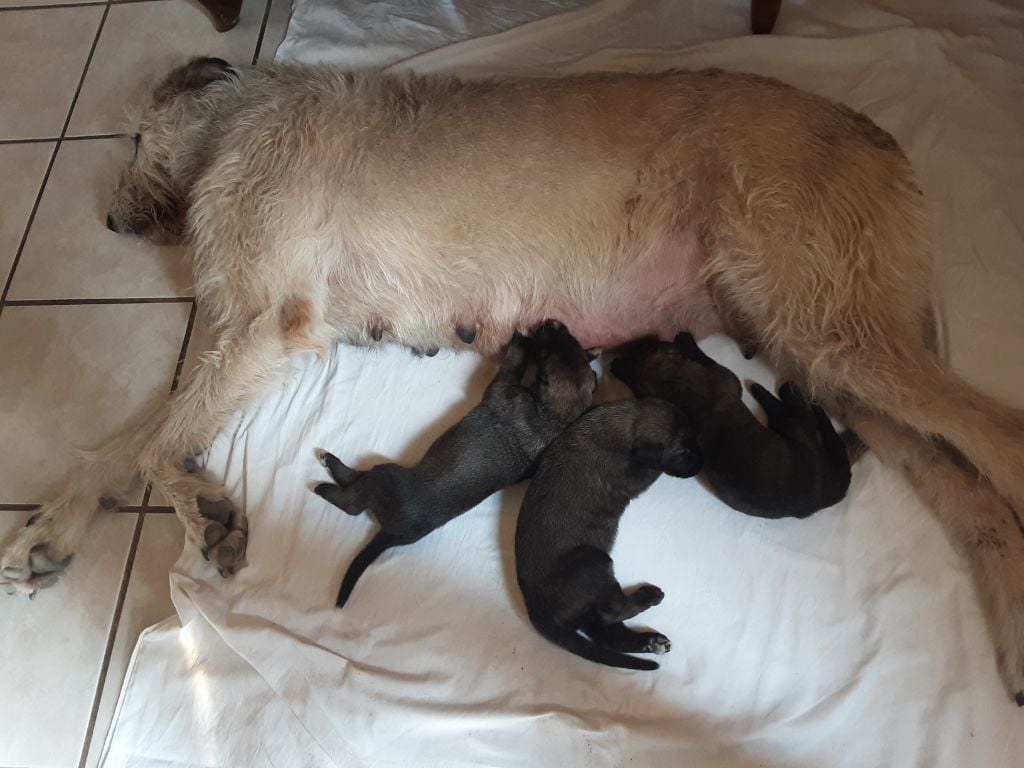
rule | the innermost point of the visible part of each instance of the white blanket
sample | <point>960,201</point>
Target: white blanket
<point>853,638</point>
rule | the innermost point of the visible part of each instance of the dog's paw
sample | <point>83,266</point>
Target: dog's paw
<point>225,536</point>
<point>39,553</point>
<point>657,643</point>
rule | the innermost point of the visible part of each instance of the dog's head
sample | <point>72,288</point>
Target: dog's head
<point>678,372</point>
<point>151,195</point>
<point>565,380</point>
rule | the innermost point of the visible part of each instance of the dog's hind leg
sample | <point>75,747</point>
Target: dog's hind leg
<point>45,546</point>
<point>619,637</point>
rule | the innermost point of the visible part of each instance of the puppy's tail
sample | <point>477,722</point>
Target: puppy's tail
<point>362,561</point>
<point>572,641</point>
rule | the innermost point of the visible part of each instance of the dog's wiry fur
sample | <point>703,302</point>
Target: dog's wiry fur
<point>624,204</point>
<point>492,447</point>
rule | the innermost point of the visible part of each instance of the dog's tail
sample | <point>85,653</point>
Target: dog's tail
<point>362,561</point>
<point>934,402</point>
<point>978,521</point>
<point>572,641</point>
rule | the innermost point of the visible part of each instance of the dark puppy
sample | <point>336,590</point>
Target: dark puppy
<point>570,518</point>
<point>494,446</point>
<point>792,468</point>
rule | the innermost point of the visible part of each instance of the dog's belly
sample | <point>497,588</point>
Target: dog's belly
<point>660,293</point>
<point>606,296</point>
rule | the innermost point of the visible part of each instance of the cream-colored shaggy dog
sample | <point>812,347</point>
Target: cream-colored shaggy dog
<point>322,206</point>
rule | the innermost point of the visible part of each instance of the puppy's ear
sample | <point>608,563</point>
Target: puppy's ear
<point>197,74</point>
<point>649,453</point>
<point>682,462</point>
<point>672,460</point>
<point>687,346</point>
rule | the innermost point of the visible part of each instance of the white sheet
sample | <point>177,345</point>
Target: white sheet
<point>849,639</point>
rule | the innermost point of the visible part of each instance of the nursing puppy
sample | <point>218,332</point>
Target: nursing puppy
<point>494,446</point>
<point>792,468</point>
<point>570,518</point>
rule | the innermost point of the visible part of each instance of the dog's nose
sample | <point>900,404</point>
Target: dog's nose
<point>110,223</point>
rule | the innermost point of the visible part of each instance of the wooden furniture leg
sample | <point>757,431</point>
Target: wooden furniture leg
<point>225,13</point>
<point>763,14</point>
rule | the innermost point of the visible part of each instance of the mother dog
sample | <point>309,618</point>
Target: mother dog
<point>322,206</point>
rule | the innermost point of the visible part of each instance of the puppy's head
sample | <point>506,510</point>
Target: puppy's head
<point>151,195</point>
<point>565,380</point>
<point>676,371</point>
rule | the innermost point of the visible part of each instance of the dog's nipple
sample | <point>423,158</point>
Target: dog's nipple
<point>466,333</point>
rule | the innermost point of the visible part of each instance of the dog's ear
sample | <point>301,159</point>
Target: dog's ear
<point>195,75</point>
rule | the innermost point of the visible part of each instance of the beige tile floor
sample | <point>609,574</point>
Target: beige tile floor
<point>92,331</point>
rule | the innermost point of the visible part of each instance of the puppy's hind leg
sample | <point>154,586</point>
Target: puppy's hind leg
<point>619,637</point>
<point>342,496</point>
<point>773,408</point>
<point>343,475</point>
<point>593,573</point>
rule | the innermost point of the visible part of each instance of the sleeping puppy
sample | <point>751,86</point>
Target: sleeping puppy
<point>570,518</point>
<point>495,445</point>
<point>792,468</point>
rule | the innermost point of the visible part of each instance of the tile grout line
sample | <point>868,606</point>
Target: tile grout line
<point>108,651</point>
<point>184,347</point>
<point>129,565</point>
<point>182,352</point>
<point>83,302</point>
<point>263,30</point>
<point>45,139</point>
<point>52,6</point>
<point>126,509</point>
<point>76,4</point>
<point>53,156</point>
<point>130,560</point>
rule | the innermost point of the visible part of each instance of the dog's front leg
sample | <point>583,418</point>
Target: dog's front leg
<point>243,366</point>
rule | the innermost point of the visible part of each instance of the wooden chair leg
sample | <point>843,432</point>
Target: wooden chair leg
<point>225,13</point>
<point>763,14</point>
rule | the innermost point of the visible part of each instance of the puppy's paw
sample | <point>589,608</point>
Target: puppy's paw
<point>657,643</point>
<point>648,595</point>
